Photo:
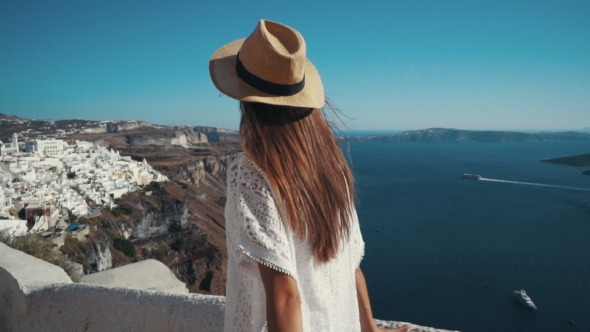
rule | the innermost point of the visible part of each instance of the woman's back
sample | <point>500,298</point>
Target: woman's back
<point>257,233</point>
<point>293,239</point>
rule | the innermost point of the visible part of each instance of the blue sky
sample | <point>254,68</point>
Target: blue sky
<point>386,64</point>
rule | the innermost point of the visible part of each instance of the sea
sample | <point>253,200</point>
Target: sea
<point>447,252</point>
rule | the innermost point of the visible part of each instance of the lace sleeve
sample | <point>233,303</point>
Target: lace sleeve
<point>357,242</point>
<point>261,234</point>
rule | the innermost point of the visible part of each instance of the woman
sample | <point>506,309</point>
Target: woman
<point>293,238</point>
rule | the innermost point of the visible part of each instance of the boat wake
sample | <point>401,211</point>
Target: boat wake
<point>536,184</point>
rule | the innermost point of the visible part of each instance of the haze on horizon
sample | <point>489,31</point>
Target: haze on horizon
<point>388,65</point>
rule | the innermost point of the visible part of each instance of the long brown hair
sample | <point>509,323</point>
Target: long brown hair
<point>300,156</point>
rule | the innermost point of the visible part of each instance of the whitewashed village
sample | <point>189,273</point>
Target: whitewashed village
<point>45,181</point>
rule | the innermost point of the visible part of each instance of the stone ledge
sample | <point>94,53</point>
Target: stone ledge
<point>29,272</point>
<point>80,307</point>
<point>415,328</point>
<point>38,296</point>
<point>148,274</point>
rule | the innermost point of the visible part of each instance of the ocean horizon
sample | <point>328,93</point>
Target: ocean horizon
<point>372,132</point>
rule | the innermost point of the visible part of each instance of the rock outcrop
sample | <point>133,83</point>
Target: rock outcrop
<point>95,130</point>
<point>125,126</point>
<point>182,137</point>
<point>218,134</point>
<point>99,254</point>
<point>185,137</point>
<point>157,216</point>
<point>194,171</point>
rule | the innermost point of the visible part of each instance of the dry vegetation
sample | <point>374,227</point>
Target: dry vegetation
<point>41,249</point>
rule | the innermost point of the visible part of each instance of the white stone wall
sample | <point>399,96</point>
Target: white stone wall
<point>148,274</point>
<point>38,296</point>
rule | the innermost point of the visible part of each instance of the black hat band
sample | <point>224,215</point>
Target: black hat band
<point>266,86</point>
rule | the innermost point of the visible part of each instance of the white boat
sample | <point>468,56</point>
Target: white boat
<point>523,298</point>
<point>471,176</point>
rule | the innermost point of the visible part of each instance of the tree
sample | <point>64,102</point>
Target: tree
<point>125,246</point>
<point>72,217</point>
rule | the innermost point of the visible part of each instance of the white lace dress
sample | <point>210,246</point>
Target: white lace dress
<point>256,233</point>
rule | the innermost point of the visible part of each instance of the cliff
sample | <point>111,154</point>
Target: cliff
<point>145,217</point>
<point>218,134</point>
<point>126,126</point>
<point>183,137</point>
<point>171,225</point>
<point>99,254</point>
<point>194,171</point>
<point>180,223</point>
<point>457,135</point>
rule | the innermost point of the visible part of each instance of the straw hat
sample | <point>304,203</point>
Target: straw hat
<point>268,67</point>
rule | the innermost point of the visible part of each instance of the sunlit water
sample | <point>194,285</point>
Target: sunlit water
<point>441,238</point>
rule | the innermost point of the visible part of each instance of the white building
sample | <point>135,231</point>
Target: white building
<point>9,148</point>
<point>4,201</point>
<point>84,146</point>
<point>5,177</point>
<point>69,175</point>
<point>48,147</point>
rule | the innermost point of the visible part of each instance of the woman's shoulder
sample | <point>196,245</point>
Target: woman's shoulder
<point>242,169</point>
<point>244,175</point>
<point>235,162</point>
<point>243,163</point>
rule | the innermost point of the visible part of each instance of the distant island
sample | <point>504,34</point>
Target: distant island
<point>458,135</point>
<point>579,161</point>
<point>582,160</point>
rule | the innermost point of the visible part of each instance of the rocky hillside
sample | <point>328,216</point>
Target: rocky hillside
<point>28,128</point>
<point>180,223</point>
<point>5,116</point>
<point>184,137</point>
<point>126,126</point>
<point>218,134</point>
<point>456,135</point>
<point>160,222</point>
